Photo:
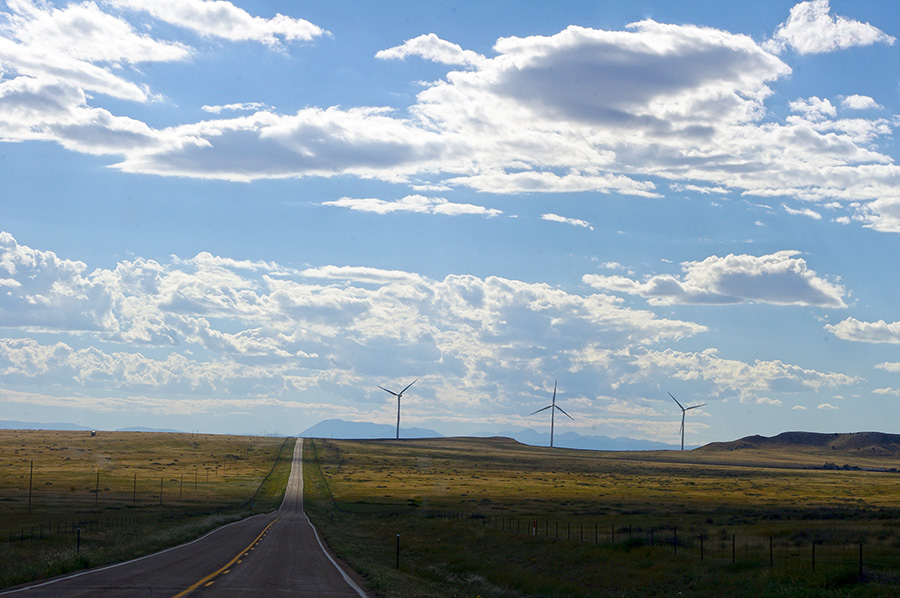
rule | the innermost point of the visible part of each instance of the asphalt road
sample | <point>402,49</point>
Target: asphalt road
<point>276,554</point>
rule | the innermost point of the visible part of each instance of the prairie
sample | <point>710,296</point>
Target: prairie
<point>69,500</point>
<point>491,517</point>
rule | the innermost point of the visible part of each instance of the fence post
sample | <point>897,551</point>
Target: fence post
<point>612,531</point>
<point>651,536</point>
<point>675,540</point>
<point>78,541</point>
<point>30,481</point>
<point>860,561</point>
<point>732,549</point>
<point>701,548</point>
<point>814,555</point>
<point>771,555</point>
<point>398,551</point>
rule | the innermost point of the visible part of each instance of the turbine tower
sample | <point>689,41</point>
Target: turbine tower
<point>398,395</point>
<point>553,407</point>
<point>683,411</point>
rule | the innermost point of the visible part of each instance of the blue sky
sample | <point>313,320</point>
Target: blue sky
<point>244,217</point>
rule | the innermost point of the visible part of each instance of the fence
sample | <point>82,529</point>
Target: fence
<point>869,560</point>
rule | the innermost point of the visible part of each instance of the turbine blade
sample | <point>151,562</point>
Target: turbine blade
<point>539,410</point>
<point>694,407</point>
<point>408,385</point>
<point>676,400</point>
<point>566,414</point>
<point>390,391</point>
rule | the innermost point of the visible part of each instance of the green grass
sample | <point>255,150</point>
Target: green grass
<point>207,481</point>
<point>361,494</point>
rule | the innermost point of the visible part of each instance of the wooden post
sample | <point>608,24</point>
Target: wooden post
<point>732,549</point>
<point>134,491</point>
<point>160,490</point>
<point>398,551</point>
<point>97,488</point>
<point>771,552</point>
<point>860,561</point>
<point>701,548</point>
<point>814,556</point>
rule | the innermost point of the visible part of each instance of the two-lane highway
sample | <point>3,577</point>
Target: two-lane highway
<point>274,554</point>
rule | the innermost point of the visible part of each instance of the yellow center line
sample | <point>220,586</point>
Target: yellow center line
<point>227,565</point>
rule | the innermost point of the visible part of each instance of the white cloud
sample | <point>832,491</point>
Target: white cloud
<point>256,331</point>
<point>852,329</point>
<point>811,29</point>
<point>779,278</point>
<point>544,114</point>
<point>572,221</point>
<point>715,376</point>
<point>889,366</point>
<point>218,18</point>
<point>814,108</point>
<point>412,203</point>
<point>827,407</point>
<point>362,274</point>
<point>431,47</point>
<point>809,213</point>
<point>858,102</point>
<point>799,408</point>
<point>238,107</point>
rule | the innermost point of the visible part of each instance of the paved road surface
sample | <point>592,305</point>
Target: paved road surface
<point>276,554</point>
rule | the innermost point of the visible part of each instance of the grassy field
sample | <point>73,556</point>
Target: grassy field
<point>491,517</point>
<point>69,500</point>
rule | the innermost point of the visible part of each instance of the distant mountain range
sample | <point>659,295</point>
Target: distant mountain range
<point>6,424</point>
<point>338,428</point>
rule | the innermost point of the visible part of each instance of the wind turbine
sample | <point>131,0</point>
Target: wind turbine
<point>683,411</point>
<point>398,395</point>
<point>553,407</point>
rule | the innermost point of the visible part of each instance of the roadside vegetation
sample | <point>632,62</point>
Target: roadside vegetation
<point>491,517</point>
<point>69,500</point>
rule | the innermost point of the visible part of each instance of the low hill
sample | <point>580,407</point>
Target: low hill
<point>868,443</point>
<point>866,450</point>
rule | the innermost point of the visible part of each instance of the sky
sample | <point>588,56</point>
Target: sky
<point>244,217</point>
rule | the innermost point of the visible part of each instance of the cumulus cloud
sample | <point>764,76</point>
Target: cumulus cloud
<point>780,278</point>
<point>889,366</point>
<point>583,110</point>
<point>814,108</point>
<point>852,329</point>
<point>811,28</point>
<point>218,18</point>
<point>572,221</point>
<point>859,102</point>
<point>187,329</point>
<point>412,203</point>
<point>431,47</point>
